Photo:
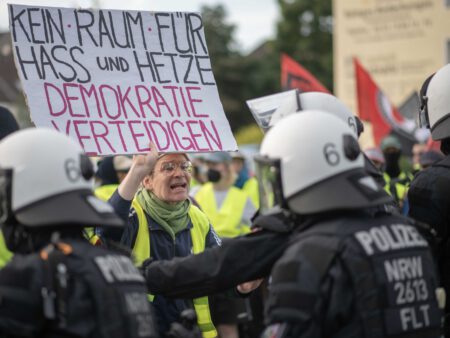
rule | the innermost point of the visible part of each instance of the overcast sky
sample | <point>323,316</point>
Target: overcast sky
<point>255,19</point>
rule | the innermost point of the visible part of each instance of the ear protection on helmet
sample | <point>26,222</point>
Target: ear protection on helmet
<point>5,195</point>
<point>351,147</point>
<point>86,167</point>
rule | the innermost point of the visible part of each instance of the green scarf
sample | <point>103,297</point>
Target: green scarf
<point>172,217</point>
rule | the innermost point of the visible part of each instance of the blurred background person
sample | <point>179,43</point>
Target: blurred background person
<point>417,150</point>
<point>110,172</point>
<point>397,181</point>
<point>245,180</point>
<point>199,170</point>
<point>230,211</point>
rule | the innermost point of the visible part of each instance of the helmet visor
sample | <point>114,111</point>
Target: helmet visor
<point>5,194</point>
<point>268,173</point>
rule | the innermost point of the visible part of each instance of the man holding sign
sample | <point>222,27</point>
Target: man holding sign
<point>113,80</point>
<point>162,224</point>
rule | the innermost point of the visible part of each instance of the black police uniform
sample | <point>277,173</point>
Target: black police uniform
<point>429,202</point>
<point>73,289</point>
<point>237,260</point>
<point>354,275</point>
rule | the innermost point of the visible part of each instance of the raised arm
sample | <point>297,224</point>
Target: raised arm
<point>142,166</point>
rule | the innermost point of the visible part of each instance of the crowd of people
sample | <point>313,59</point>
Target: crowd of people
<point>322,240</point>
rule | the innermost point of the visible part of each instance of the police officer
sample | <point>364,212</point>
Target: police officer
<point>347,273</point>
<point>57,284</point>
<point>429,194</point>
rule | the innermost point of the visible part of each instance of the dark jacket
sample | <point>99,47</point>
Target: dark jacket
<point>429,202</point>
<point>75,292</point>
<point>347,275</point>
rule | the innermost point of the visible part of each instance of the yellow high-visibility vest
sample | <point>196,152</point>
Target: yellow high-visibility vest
<point>198,232</point>
<point>251,188</point>
<point>227,221</point>
<point>397,190</point>
<point>5,254</point>
<point>104,192</point>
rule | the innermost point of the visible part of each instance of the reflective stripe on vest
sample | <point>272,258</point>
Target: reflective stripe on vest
<point>5,254</point>
<point>199,230</point>
<point>251,188</point>
<point>397,187</point>
<point>227,220</point>
<point>105,191</point>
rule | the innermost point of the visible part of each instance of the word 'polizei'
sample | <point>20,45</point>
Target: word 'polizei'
<point>405,275</point>
<point>115,268</point>
<point>383,238</point>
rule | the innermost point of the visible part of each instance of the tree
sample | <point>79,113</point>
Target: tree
<point>227,63</point>
<point>304,32</point>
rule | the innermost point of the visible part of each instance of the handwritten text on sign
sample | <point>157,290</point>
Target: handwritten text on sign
<point>115,79</point>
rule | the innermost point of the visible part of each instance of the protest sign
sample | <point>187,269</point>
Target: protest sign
<point>268,110</point>
<point>113,80</point>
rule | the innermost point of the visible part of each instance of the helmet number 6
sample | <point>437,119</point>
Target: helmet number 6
<point>331,154</point>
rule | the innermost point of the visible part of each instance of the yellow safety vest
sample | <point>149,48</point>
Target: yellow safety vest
<point>199,230</point>
<point>5,254</point>
<point>401,188</point>
<point>194,182</point>
<point>251,188</point>
<point>104,192</point>
<point>227,221</point>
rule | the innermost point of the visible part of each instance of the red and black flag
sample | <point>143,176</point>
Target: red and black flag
<point>294,76</point>
<point>374,106</point>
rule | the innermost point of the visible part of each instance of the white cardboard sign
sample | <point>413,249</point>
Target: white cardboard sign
<point>113,80</point>
<point>267,110</point>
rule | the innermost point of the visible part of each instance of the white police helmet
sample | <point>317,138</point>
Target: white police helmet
<point>435,103</point>
<point>310,163</point>
<point>321,101</point>
<point>44,181</point>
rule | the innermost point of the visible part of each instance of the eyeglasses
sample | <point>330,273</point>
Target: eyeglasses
<point>168,168</point>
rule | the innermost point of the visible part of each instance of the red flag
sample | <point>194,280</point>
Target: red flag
<point>294,76</point>
<point>375,107</point>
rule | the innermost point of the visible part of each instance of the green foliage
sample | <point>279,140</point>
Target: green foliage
<point>304,32</point>
<point>227,64</point>
<point>238,77</point>
<point>249,134</point>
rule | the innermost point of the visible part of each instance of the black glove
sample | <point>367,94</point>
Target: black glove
<point>144,266</point>
<point>188,327</point>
